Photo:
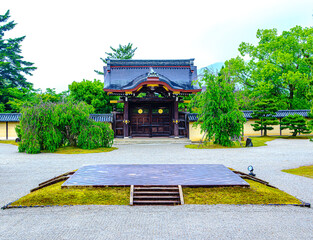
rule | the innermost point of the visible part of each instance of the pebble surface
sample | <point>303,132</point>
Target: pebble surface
<point>19,172</point>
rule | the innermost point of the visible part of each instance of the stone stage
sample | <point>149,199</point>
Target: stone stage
<point>187,175</point>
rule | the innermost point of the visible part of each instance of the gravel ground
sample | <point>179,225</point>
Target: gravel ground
<point>20,172</point>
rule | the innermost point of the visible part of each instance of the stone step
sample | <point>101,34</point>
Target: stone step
<point>155,193</point>
<point>157,202</point>
<point>155,140</point>
<point>155,197</point>
<point>175,189</point>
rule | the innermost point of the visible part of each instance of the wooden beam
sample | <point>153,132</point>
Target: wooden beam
<point>131,197</point>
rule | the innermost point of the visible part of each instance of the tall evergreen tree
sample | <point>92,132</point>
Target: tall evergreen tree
<point>12,66</point>
<point>265,111</point>
<point>122,52</point>
<point>219,116</point>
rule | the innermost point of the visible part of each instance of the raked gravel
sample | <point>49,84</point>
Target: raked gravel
<point>19,172</point>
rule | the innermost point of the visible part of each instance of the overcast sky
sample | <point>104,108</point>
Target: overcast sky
<point>65,39</point>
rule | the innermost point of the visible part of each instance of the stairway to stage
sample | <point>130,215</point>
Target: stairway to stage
<point>156,195</point>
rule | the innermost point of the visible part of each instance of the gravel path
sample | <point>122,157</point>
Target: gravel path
<point>20,172</point>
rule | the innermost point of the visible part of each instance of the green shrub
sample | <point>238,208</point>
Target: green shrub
<point>48,126</point>
<point>95,135</point>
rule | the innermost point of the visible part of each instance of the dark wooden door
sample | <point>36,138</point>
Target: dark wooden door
<point>150,120</point>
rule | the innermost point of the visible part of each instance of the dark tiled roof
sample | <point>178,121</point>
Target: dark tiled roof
<point>280,113</point>
<point>10,117</point>
<point>126,74</point>
<point>15,117</point>
<point>150,62</point>
<point>102,117</point>
<point>192,117</point>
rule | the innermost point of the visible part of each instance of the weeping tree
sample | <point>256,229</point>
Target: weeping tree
<point>48,126</point>
<point>295,123</point>
<point>218,113</point>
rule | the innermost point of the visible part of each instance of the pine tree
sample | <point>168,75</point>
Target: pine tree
<point>12,66</point>
<point>122,52</point>
<point>295,123</point>
<point>265,112</point>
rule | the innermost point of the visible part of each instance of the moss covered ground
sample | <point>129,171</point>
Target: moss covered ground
<point>68,149</point>
<point>54,195</point>
<point>76,150</point>
<point>257,142</point>
<point>257,194</point>
<point>9,142</point>
<point>304,171</point>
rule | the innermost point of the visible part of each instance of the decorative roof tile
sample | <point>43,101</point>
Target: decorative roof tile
<point>102,117</point>
<point>15,117</point>
<point>192,117</point>
<point>10,117</point>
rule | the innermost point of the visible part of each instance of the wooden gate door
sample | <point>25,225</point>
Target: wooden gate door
<point>150,120</point>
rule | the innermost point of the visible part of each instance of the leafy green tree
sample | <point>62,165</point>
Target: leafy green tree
<point>48,126</point>
<point>33,97</point>
<point>92,93</point>
<point>265,111</point>
<point>280,67</point>
<point>12,66</point>
<point>122,52</point>
<point>295,123</point>
<point>219,116</point>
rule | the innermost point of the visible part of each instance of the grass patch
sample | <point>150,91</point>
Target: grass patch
<point>256,194</point>
<point>54,195</point>
<point>76,150</point>
<point>304,171</point>
<point>257,142</point>
<point>9,142</point>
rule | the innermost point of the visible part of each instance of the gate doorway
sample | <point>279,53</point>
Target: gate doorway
<point>150,120</point>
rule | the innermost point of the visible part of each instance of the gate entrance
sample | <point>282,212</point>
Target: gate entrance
<point>150,120</point>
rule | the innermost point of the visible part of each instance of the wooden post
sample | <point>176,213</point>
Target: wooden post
<point>7,130</point>
<point>176,117</point>
<point>126,121</point>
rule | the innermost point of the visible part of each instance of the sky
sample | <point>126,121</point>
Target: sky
<point>65,39</point>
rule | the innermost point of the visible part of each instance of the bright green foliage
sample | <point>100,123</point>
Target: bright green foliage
<point>92,93</point>
<point>264,111</point>
<point>219,116</point>
<point>37,129</point>
<point>295,123</point>
<point>95,135</point>
<point>70,117</point>
<point>12,66</point>
<point>122,52</point>
<point>280,67</point>
<point>48,126</point>
<point>30,98</point>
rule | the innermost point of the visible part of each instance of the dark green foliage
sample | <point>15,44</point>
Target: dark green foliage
<point>92,93</point>
<point>264,111</point>
<point>122,52</point>
<point>48,126</point>
<point>219,116</point>
<point>95,135</point>
<point>295,123</point>
<point>12,66</point>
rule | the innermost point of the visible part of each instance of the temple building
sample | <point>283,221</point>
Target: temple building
<point>150,91</point>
